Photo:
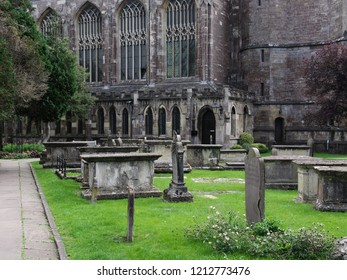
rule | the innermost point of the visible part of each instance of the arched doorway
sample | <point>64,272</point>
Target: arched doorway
<point>279,131</point>
<point>208,127</point>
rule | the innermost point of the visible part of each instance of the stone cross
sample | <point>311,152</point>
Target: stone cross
<point>255,186</point>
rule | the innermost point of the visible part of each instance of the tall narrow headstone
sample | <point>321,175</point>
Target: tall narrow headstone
<point>255,186</point>
<point>177,190</point>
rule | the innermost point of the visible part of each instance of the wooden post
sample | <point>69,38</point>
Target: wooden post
<point>131,210</point>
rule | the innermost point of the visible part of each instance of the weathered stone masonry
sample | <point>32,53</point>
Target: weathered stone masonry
<point>277,36</point>
<point>248,65</point>
<point>204,98</point>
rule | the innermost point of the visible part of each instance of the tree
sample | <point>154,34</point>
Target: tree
<point>66,84</point>
<point>23,75</point>
<point>7,81</point>
<point>326,84</point>
<point>41,78</point>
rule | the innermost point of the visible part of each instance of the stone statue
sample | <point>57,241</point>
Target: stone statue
<point>177,190</point>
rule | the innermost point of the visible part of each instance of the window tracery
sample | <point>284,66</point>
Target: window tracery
<point>90,42</point>
<point>133,41</point>
<point>51,24</point>
<point>180,38</point>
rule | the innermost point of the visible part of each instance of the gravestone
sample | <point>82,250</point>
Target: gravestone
<point>108,168</point>
<point>177,190</point>
<point>255,186</point>
<point>332,188</point>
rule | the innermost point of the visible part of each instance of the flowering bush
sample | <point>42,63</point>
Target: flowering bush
<point>265,239</point>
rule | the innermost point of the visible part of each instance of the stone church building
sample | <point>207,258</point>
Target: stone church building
<point>208,69</point>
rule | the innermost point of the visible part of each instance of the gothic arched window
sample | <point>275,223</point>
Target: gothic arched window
<point>51,24</point>
<point>162,121</point>
<point>180,38</point>
<point>125,122</point>
<point>101,121</point>
<point>176,120</point>
<point>149,122</point>
<point>90,42</point>
<point>113,121</point>
<point>133,41</point>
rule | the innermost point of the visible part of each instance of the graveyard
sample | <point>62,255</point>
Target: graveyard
<point>99,230</point>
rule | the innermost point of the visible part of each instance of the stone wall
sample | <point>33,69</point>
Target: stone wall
<point>207,91</point>
<point>249,60</point>
<point>276,38</point>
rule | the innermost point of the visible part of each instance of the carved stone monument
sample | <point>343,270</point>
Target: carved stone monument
<point>332,188</point>
<point>177,191</point>
<point>255,187</point>
<point>109,170</point>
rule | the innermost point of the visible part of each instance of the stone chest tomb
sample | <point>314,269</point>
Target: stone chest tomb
<point>114,171</point>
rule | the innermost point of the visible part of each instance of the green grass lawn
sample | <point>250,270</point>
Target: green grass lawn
<point>97,231</point>
<point>330,156</point>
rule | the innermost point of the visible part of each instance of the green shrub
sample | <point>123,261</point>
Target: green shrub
<point>246,138</point>
<point>14,151</point>
<point>261,147</point>
<point>15,148</point>
<point>265,239</point>
<point>265,227</point>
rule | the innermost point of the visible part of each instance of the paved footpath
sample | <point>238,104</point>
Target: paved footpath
<point>25,230</point>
